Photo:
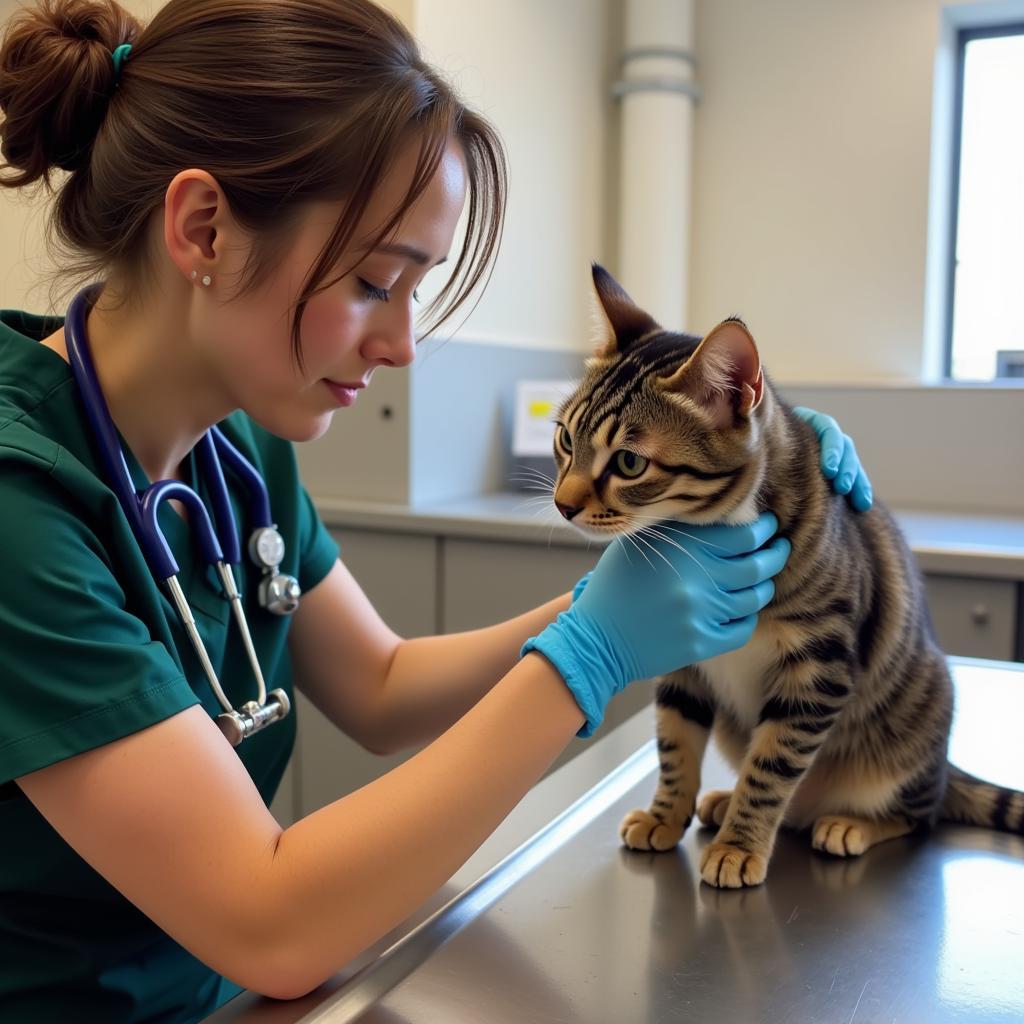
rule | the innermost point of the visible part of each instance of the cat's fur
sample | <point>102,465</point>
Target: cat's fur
<point>836,714</point>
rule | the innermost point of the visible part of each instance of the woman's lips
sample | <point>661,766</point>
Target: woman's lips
<point>344,392</point>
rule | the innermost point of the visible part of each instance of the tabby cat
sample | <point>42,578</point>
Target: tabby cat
<point>836,714</point>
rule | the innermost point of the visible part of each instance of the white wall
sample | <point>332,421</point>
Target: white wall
<point>24,260</point>
<point>810,187</point>
<point>812,150</point>
<point>540,71</point>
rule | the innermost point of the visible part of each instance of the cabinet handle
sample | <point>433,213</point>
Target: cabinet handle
<point>980,615</point>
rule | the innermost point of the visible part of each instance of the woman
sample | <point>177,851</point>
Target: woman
<point>261,186</point>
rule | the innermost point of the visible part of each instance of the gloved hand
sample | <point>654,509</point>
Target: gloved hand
<point>581,583</point>
<point>839,462</point>
<point>693,593</point>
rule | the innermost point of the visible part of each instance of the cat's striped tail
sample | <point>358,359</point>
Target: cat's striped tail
<point>975,802</point>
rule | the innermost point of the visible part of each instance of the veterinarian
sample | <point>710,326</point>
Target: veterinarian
<point>252,193</point>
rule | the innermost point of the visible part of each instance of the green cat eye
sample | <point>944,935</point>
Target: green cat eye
<point>564,440</point>
<point>629,464</point>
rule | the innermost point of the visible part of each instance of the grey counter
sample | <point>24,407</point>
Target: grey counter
<point>989,546</point>
<point>552,921</point>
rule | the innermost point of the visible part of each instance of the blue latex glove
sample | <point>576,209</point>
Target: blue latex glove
<point>839,462</point>
<point>694,593</point>
<point>578,589</point>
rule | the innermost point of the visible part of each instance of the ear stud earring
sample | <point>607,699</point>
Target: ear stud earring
<point>207,280</point>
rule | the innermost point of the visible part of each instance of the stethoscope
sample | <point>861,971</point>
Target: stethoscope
<point>278,592</point>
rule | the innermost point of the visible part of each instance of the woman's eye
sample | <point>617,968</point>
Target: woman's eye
<point>629,464</point>
<point>564,440</point>
<point>373,292</point>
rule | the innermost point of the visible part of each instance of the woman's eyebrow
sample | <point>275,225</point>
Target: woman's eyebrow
<point>409,252</point>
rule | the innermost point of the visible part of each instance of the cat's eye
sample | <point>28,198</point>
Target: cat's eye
<point>629,464</point>
<point>564,440</point>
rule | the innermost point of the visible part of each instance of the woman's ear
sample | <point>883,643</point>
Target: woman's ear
<point>625,321</point>
<point>197,221</point>
<point>723,375</point>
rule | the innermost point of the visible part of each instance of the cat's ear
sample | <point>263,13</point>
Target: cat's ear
<point>626,321</point>
<point>723,375</point>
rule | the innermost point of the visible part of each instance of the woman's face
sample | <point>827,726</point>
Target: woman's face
<point>363,321</point>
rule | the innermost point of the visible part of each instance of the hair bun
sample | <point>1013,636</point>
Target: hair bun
<point>56,79</point>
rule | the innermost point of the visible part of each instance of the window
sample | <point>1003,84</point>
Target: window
<point>985,316</point>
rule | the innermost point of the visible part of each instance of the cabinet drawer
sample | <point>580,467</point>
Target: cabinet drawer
<point>488,581</point>
<point>976,618</point>
<point>398,573</point>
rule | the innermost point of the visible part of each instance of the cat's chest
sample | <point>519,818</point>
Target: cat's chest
<point>737,678</point>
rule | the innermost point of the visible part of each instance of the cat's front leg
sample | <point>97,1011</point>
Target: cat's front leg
<point>794,723</point>
<point>684,717</point>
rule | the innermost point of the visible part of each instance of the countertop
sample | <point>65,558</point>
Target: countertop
<point>553,921</point>
<point>944,542</point>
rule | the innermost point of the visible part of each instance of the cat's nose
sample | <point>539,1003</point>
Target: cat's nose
<point>568,511</point>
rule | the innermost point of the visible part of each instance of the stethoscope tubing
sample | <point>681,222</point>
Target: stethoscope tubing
<point>220,547</point>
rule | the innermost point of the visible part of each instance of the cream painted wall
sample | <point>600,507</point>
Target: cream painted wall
<point>24,260</point>
<point>540,71</point>
<point>812,152</point>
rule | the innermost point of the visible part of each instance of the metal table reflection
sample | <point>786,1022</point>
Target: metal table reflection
<point>570,927</point>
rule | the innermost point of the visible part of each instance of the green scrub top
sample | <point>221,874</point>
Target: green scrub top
<point>91,650</point>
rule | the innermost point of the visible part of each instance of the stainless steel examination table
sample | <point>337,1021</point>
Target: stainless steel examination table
<point>552,921</point>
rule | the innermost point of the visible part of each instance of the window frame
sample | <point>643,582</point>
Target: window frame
<point>964,35</point>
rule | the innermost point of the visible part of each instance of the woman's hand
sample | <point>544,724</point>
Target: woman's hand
<point>580,585</point>
<point>692,594</point>
<point>839,462</point>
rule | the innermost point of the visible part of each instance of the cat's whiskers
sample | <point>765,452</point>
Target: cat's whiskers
<point>668,540</point>
<point>637,538</point>
<point>544,514</point>
<point>663,525</point>
<point>545,492</point>
<point>524,473</point>
<point>621,539</point>
<point>541,502</point>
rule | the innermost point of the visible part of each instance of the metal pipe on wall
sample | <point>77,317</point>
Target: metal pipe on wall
<point>657,92</point>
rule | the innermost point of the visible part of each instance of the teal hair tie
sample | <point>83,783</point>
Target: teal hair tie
<point>119,56</point>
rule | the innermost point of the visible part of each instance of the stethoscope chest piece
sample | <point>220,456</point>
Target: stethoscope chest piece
<point>251,717</point>
<point>279,593</point>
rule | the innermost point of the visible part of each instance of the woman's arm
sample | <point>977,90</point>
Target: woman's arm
<point>171,819</point>
<point>386,692</point>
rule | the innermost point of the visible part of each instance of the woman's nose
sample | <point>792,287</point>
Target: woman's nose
<point>392,340</point>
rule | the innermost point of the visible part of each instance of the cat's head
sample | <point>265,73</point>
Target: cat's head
<point>662,425</point>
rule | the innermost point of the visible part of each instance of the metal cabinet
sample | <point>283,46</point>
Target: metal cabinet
<point>423,584</point>
<point>487,581</point>
<point>974,618</point>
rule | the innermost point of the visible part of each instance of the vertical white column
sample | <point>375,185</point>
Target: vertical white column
<point>657,92</point>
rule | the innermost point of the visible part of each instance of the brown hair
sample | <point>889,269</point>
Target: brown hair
<point>282,101</point>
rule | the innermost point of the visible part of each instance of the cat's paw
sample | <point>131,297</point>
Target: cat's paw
<point>713,807</point>
<point>640,830</point>
<point>728,867</point>
<point>839,836</point>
